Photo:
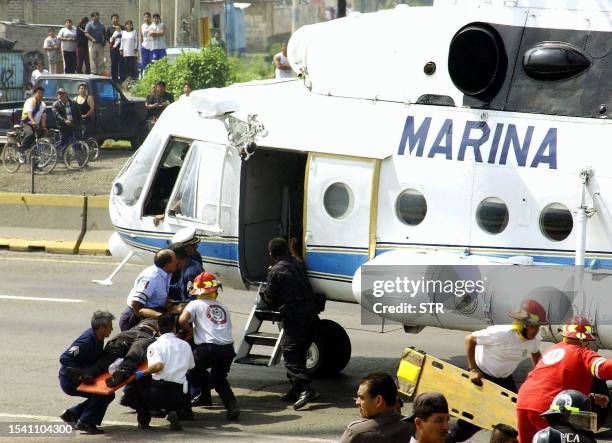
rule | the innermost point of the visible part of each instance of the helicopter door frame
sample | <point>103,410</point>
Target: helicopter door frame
<point>362,176</point>
<point>208,187</point>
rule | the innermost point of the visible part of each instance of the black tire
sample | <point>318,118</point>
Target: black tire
<point>94,148</point>
<point>46,156</point>
<point>600,387</point>
<point>10,158</point>
<point>331,350</point>
<point>76,155</point>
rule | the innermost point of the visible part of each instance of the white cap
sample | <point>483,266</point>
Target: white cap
<point>186,236</point>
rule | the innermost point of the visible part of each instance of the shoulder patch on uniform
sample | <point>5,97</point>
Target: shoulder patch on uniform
<point>142,284</point>
<point>74,351</point>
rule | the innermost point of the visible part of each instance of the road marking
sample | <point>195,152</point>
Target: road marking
<point>58,300</point>
<point>186,426</point>
<point>63,260</point>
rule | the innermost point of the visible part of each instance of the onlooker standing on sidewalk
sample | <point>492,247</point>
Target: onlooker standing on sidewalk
<point>68,37</point>
<point>115,54</point>
<point>129,51</point>
<point>146,42</point>
<point>82,48</point>
<point>52,48</point>
<point>94,31</point>
<point>158,44</point>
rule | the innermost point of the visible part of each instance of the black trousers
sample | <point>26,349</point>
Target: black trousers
<point>130,68</point>
<point>116,68</point>
<point>298,335</point>
<point>462,430</point>
<point>159,394</point>
<point>70,62</point>
<point>217,358</point>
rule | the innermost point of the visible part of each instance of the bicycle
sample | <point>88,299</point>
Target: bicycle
<point>42,155</point>
<point>94,147</point>
<point>75,152</point>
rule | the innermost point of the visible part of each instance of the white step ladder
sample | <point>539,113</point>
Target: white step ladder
<point>254,336</point>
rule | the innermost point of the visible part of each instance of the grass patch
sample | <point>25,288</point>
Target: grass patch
<point>116,144</point>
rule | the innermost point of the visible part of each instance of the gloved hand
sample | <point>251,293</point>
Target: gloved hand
<point>139,374</point>
<point>88,380</point>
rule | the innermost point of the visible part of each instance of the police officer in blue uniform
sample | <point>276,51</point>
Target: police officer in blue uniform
<point>187,237</point>
<point>82,353</point>
<point>149,296</point>
<point>182,279</point>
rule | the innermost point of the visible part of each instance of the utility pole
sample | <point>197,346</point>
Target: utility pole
<point>294,12</point>
<point>177,23</point>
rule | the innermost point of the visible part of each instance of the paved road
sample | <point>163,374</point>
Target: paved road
<point>35,332</point>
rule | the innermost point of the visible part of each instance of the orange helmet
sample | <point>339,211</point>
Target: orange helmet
<point>205,283</point>
<point>578,328</point>
<point>531,313</point>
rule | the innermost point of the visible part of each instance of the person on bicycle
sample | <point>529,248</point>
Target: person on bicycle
<point>67,115</point>
<point>33,119</point>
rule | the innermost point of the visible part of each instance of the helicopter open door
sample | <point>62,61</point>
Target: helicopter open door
<point>340,231</point>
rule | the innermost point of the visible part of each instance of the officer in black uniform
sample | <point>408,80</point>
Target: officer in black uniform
<point>570,418</point>
<point>288,290</point>
<point>83,353</point>
<point>188,268</point>
<point>187,237</point>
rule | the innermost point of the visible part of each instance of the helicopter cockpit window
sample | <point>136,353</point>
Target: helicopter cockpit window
<point>183,202</point>
<point>556,222</point>
<point>165,177</point>
<point>492,215</point>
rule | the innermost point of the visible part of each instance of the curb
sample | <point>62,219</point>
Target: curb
<point>27,219</point>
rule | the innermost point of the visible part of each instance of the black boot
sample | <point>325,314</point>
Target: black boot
<point>305,397</point>
<point>118,377</point>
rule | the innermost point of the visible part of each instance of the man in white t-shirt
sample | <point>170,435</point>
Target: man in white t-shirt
<point>281,63</point>
<point>68,37</point>
<point>214,346</point>
<point>34,120</point>
<point>494,353</point>
<point>40,70</point>
<point>168,359</point>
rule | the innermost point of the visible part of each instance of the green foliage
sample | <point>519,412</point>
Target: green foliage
<point>209,68</point>
<point>250,67</point>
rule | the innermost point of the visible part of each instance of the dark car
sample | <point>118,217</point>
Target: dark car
<point>115,117</point>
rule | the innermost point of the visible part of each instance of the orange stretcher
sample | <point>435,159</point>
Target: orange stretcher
<point>99,386</point>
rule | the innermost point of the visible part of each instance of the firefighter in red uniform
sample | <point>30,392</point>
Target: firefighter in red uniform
<point>566,365</point>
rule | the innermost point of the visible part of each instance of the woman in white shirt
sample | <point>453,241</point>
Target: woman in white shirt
<point>129,50</point>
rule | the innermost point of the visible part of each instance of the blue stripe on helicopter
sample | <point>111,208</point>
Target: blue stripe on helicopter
<point>227,251</point>
<point>340,264</point>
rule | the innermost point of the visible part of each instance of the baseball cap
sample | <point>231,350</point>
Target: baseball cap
<point>61,90</point>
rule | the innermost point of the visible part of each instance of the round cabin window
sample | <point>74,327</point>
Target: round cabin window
<point>337,200</point>
<point>492,215</point>
<point>411,207</point>
<point>556,222</point>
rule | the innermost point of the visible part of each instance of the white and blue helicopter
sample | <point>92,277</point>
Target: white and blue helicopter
<point>465,132</point>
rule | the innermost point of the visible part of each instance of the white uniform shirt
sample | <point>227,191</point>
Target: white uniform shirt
<point>69,46</point>
<point>176,356</point>
<point>211,322</point>
<point>146,40</point>
<point>500,349</point>
<point>150,288</point>
<point>129,43</point>
<point>282,73</point>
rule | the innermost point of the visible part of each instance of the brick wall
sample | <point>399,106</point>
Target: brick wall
<point>56,11</point>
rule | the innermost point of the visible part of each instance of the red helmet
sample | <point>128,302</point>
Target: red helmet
<point>531,313</point>
<point>205,283</point>
<point>578,328</point>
